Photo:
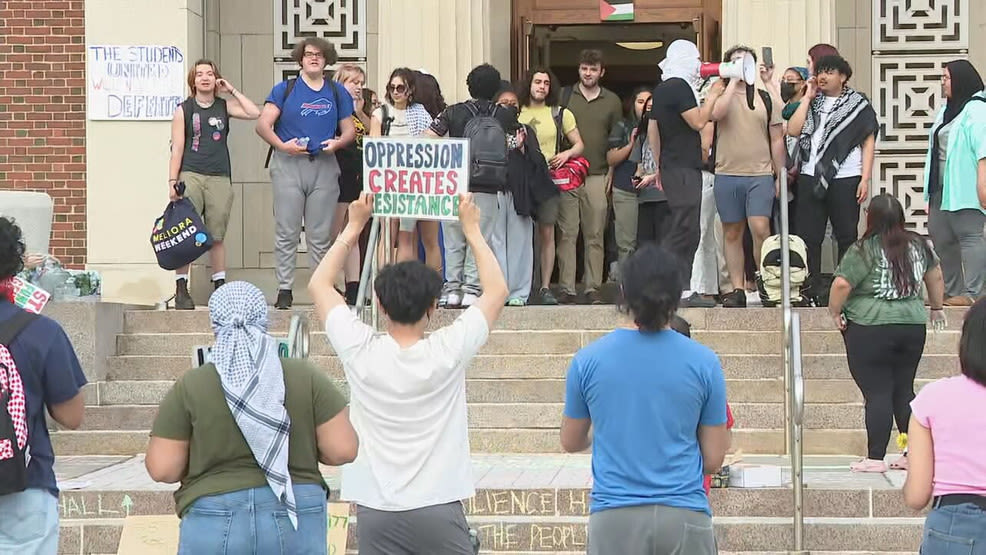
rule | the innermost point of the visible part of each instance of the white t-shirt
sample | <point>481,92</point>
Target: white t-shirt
<point>851,167</point>
<point>398,127</point>
<point>408,406</point>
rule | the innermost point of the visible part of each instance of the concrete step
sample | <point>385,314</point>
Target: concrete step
<point>749,416</point>
<point>550,342</point>
<point>525,318</point>
<point>534,390</point>
<point>568,535</point>
<point>736,366</point>
<point>498,440</point>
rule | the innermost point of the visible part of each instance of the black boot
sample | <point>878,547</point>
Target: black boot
<point>183,301</point>
<point>216,284</point>
<point>284,299</point>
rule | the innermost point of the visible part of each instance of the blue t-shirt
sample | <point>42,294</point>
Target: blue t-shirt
<point>309,113</point>
<point>52,375</point>
<point>646,395</point>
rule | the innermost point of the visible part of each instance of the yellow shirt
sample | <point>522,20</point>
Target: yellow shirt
<point>544,125</point>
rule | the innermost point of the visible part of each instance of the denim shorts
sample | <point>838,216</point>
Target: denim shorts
<point>29,523</point>
<point>955,529</point>
<point>739,197</point>
<point>254,521</point>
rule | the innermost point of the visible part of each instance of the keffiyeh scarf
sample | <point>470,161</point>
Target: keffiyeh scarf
<point>418,119</point>
<point>850,122</point>
<point>246,359</point>
<point>682,61</point>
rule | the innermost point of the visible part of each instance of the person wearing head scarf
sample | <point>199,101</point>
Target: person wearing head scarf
<point>244,435</point>
<point>955,183</point>
<point>673,135</point>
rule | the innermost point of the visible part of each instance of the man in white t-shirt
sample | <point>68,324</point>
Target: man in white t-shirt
<point>408,394</point>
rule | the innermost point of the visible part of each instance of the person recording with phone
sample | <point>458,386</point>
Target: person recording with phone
<point>199,168</point>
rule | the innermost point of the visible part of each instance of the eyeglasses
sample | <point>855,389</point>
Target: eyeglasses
<point>399,89</point>
<point>315,55</point>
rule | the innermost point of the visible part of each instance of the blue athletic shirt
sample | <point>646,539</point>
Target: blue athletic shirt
<point>52,375</point>
<point>310,113</point>
<point>646,395</point>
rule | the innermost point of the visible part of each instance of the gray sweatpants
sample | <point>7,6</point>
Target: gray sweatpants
<point>305,190</point>
<point>650,530</point>
<point>516,235</point>
<point>959,242</point>
<point>439,529</point>
<point>461,273</point>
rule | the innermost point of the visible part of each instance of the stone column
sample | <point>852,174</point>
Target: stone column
<point>445,37</point>
<point>127,161</point>
<point>791,27</point>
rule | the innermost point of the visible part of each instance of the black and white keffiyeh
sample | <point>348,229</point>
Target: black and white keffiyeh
<point>418,119</point>
<point>246,359</point>
<point>851,120</point>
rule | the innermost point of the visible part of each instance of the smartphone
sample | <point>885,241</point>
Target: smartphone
<point>636,180</point>
<point>768,56</point>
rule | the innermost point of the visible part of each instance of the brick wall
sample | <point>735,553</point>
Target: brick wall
<point>42,112</point>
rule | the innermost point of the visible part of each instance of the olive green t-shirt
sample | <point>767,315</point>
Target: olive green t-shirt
<point>219,459</point>
<point>595,121</point>
<point>874,299</point>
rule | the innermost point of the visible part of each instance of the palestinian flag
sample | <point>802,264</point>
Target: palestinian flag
<point>616,10</point>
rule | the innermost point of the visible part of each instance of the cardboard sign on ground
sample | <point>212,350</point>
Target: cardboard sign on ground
<point>149,535</point>
<point>158,534</point>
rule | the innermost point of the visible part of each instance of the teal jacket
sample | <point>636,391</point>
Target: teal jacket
<point>966,147</point>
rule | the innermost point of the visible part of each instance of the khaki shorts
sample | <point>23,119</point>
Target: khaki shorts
<point>547,211</point>
<point>212,196</point>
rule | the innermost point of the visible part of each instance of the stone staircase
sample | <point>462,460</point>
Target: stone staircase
<point>515,391</point>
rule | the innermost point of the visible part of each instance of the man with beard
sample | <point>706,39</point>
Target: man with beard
<point>676,120</point>
<point>596,110</point>
<point>539,109</point>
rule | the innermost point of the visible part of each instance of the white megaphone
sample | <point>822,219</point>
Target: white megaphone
<point>745,69</point>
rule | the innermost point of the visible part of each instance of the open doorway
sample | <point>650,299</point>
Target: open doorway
<point>631,52</point>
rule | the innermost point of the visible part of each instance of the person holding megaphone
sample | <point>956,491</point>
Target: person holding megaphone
<point>676,120</point>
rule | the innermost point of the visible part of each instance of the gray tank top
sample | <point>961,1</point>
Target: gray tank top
<point>206,134</point>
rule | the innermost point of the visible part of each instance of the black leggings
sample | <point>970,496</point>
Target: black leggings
<point>883,361</point>
<point>839,206</point>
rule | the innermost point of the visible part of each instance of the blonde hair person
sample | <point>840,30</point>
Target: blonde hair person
<point>353,79</point>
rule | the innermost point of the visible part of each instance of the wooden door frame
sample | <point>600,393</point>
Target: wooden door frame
<point>708,14</point>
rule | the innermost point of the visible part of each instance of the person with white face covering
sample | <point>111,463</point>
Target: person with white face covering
<point>676,120</point>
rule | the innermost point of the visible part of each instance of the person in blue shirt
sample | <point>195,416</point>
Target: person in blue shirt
<point>655,401</point>
<point>52,379</point>
<point>305,120</point>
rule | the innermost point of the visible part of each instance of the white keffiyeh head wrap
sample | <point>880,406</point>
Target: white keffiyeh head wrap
<point>246,359</point>
<point>682,60</point>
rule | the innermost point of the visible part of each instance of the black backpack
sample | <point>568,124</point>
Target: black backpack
<point>287,92</point>
<point>13,458</point>
<point>487,147</point>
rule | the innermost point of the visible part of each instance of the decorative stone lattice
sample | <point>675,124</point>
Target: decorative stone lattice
<point>912,40</point>
<point>341,22</point>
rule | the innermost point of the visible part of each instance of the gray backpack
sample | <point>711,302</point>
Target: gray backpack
<point>487,147</point>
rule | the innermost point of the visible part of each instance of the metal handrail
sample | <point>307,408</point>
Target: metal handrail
<point>794,383</point>
<point>298,337</point>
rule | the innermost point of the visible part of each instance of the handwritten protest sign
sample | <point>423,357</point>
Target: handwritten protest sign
<point>134,82</point>
<point>159,534</point>
<point>338,528</point>
<point>414,177</point>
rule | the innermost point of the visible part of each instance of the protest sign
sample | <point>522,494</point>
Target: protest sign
<point>416,178</point>
<point>149,535</point>
<point>338,528</point>
<point>26,295</point>
<point>134,82</point>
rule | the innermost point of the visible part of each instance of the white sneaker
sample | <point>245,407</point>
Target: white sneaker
<point>453,299</point>
<point>469,299</point>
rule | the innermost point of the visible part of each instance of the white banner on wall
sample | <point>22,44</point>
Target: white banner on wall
<point>137,82</point>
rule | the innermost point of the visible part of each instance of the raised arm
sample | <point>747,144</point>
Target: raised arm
<point>697,117</point>
<point>490,277</point>
<point>722,108</point>
<point>797,121</point>
<point>239,107</point>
